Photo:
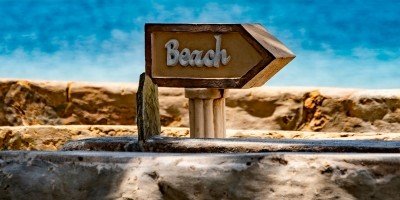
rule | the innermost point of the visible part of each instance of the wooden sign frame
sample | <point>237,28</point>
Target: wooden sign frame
<point>274,55</point>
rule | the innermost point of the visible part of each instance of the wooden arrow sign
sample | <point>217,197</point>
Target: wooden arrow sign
<point>212,55</point>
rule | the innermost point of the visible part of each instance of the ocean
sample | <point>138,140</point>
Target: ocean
<point>337,44</point>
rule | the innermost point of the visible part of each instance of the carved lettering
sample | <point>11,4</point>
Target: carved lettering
<point>212,58</point>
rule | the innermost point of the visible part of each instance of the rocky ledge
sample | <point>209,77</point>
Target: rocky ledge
<point>50,138</point>
<point>229,145</point>
<point>122,175</point>
<point>272,108</point>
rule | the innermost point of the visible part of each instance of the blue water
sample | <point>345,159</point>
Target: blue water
<point>337,43</point>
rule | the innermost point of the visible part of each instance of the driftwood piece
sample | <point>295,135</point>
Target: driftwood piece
<point>148,114</point>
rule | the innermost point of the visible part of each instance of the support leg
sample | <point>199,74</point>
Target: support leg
<point>206,112</point>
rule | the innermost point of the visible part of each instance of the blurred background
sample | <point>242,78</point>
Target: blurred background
<point>338,43</point>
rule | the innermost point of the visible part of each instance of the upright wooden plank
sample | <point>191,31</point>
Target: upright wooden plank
<point>223,121</point>
<point>208,118</point>
<point>147,108</point>
<point>199,118</point>
<point>218,118</point>
<point>191,118</point>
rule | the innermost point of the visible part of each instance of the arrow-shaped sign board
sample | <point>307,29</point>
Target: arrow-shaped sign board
<point>212,55</point>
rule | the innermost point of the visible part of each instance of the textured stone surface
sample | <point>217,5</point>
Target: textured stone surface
<point>230,145</point>
<point>314,109</point>
<point>53,137</point>
<point>148,112</point>
<point>27,103</point>
<point>49,138</point>
<point>272,108</point>
<point>104,175</point>
<point>64,103</point>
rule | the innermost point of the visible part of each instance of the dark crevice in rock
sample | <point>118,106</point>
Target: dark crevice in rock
<point>279,160</point>
<point>154,175</point>
<point>170,193</point>
<point>67,92</point>
<point>327,170</point>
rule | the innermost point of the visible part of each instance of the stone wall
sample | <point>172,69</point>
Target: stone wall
<point>112,175</point>
<point>66,103</point>
<point>287,108</point>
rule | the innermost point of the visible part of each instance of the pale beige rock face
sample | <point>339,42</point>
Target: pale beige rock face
<point>271,108</point>
<point>111,175</point>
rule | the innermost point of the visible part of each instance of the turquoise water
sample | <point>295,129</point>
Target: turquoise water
<point>337,43</point>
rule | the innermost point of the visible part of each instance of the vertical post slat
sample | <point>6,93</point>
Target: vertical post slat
<point>199,118</point>
<point>218,117</point>
<point>191,118</point>
<point>208,118</point>
<point>223,120</point>
<point>206,112</point>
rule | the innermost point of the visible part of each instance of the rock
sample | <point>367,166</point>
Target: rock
<point>64,103</point>
<point>30,103</point>
<point>272,108</point>
<point>314,109</point>
<point>130,144</point>
<point>174,107</point>
<point>230,145</point>
<point>50,138</point>
<point>148,114</point>
<point>110,175</point>
<point>101,103</point>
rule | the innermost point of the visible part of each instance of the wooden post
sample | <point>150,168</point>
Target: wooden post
<point>219,117</point>
<point>147,108</point>
<point>206,112</point>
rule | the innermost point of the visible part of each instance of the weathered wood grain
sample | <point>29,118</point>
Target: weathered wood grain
<point>274,56</point>
<point>148,114</point>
